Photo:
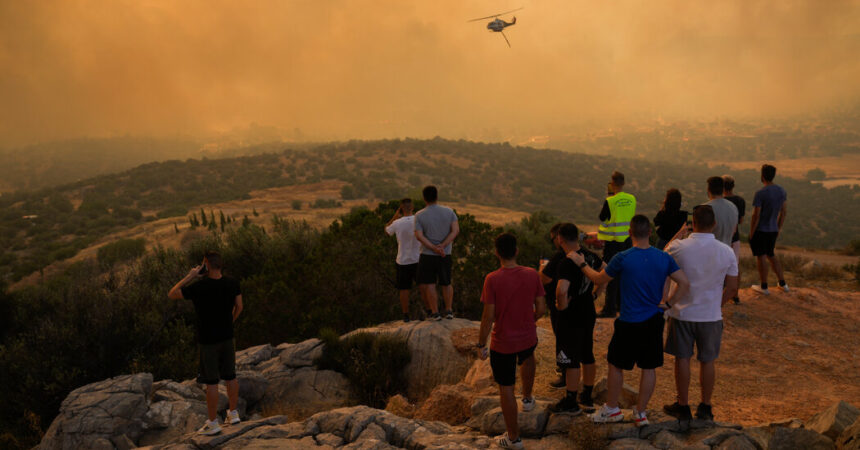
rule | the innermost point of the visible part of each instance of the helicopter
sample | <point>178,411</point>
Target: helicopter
<point>499,25</point>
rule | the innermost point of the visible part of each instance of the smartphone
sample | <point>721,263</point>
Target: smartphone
<point>203,270</point>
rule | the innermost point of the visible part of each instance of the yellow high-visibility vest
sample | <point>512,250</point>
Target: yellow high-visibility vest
<point>622,208</point>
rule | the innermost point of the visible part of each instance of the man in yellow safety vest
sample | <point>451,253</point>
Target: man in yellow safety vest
<point>614,231</point>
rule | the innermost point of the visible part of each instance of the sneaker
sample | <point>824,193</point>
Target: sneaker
<point>405,318</point>
<point>210,428</point>
<point>559,383</point>
<point>232,417</point>
<point>678,411</point>
<point>528,404</point>
<point>639,418</point>
<point>607,415</point>
<point>757,288</point>
<point>449,314</point>
<point>505,442</point>
<point>736,300</point>
<point>785,288</point>
<point>704,412</point>
<point>435,316</point>
<point>586,400</point>
<point>567,405</point>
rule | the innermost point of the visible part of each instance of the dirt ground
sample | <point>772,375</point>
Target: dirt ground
<point>784,355</point>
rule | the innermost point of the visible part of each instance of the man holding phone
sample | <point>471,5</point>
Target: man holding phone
<point>217,302</point>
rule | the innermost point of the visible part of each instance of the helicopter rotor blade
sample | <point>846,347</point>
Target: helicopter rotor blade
<point>495,15</point>
<point>506,38</point>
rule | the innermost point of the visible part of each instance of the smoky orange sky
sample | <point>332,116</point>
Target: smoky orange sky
<point>337,69</point>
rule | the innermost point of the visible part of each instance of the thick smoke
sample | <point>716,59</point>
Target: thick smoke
<point>322,69</point>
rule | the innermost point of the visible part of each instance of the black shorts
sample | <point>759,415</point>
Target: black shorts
<point>217,361</point>
<point>640,343</point>
<point>575,345</point>
<point>763,243</point>
<point>406,275</point>
<point>434,269</point>
<point>504,365</point>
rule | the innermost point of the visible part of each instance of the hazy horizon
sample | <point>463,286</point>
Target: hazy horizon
<point>333,69</point>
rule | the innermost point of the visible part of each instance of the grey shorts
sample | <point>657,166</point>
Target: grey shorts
<point>217,362</point>
<point>682,335</point>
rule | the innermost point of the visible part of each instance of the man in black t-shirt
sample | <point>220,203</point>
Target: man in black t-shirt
<point>574,298</point>
<point>217,302</point>
<point>549,277</point>
<point>741,205</point>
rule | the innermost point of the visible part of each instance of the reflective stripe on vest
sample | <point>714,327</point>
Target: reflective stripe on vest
<point>622,208</point>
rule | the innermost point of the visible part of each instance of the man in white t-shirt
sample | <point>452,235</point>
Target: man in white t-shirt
<point>402,225</point>
<point>696,318</point>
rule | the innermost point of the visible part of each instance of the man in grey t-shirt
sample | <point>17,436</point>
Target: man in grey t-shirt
<point>725,211</point>
<point>436,227</point>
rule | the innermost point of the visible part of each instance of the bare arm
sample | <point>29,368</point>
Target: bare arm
<point>540,307</point>
<point>561,300</point>
<point>398,214</point>
<point>237,307</point>
<point>593,275</point>
<point>781,218</point>
<point>680,278</point>
<point>730,289</point>
<point>175,292</point>
<point>452,234</point>
<point>601,287</point>
<point>754,220</point>
<point>487,318</point>
<point>426,242</point>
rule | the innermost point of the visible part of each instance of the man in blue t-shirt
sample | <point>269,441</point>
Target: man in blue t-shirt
<point>638,335</point>
<point>767,219</point>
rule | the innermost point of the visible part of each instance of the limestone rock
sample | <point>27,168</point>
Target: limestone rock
<point>629,396</point>
<point>850,438</point>
<point>232,431</point>
<point>810,266</point>
<point>400,406</point>
<point>435,359</point>
<point>738,442</point>
<point>531,423</point>
<point>302,354</point>
<point>171,390</point>
<point>250,357</point>
<point>307,389</point>
<point>834,420</point>
<point>480,375</point>
<point>447,403</point>
<point>666,440</point>
<point>252,387</point>
<point>794,438</point>
<point>328,439</point>
<point>93,414</point>
<point>631,444</point>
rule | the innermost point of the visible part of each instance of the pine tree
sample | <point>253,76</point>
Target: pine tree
<point>203,217</point>
<point>175,228</point>
<point>246,221</point>
<point>255,213</point>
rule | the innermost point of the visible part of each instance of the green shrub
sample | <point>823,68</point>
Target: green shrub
<point>121,251</point>
<point>323,203</point>
<point>372,362</point>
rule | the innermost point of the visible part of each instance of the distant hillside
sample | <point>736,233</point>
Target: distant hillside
<point>64,219</point>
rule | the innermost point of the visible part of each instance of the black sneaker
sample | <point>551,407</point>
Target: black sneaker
<point>704,412</point>
<point>449,314</point>
<point>567,405</point>
<point>678,411</point>
<point>586,401</point>
<point>405,318</point>
<point>559,383</point>
<point>435,316</point>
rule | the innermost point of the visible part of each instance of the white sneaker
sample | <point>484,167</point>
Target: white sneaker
<point>785,288</point>
<point>505,442</point>
<point>607,415</point>
<point>232,417</point>
<point>639,418</point>
<point>210,428</point>
<point>757,288</point>
<point>528,404</point>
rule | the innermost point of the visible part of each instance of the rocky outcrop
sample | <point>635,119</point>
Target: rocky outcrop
<point>850,437</point>
<point>834,420</point>
<point>435,359</point>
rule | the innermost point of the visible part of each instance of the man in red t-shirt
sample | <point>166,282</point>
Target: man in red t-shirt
<point>513,298</point>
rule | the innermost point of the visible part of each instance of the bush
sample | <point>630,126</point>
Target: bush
<point>322,203</point>
<point>372,362</point>
<point>296,204</point>
<point>120,251</point>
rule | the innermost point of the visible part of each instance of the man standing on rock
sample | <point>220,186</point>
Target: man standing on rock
<point>402,225</point>
<point>218,302</point>
<point>697,318</point>
<point>726,212</point>
<point>638,335</point>
<point>436,227</point>
<point>767,219</point>
<point>513,298</point>
<point>574,298</point>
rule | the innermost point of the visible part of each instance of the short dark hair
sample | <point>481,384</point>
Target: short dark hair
<point>768,172</point>
<point>430,193</point>
<point>406,201</point>
<point>715,185</point>
<point>617,178</point>
<point>569,232</point>
<point>640,226</point>
<point>703,217</point>
<point>214,261</point>
<point>728,182</point>
<point>506,245</point>
<point>554,230</point>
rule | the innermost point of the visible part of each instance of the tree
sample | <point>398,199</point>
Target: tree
<point>816,174</point>
<point>203,217</point>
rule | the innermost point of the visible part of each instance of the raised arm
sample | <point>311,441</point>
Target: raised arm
<point>597,277</point>
<point>175,292</point>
